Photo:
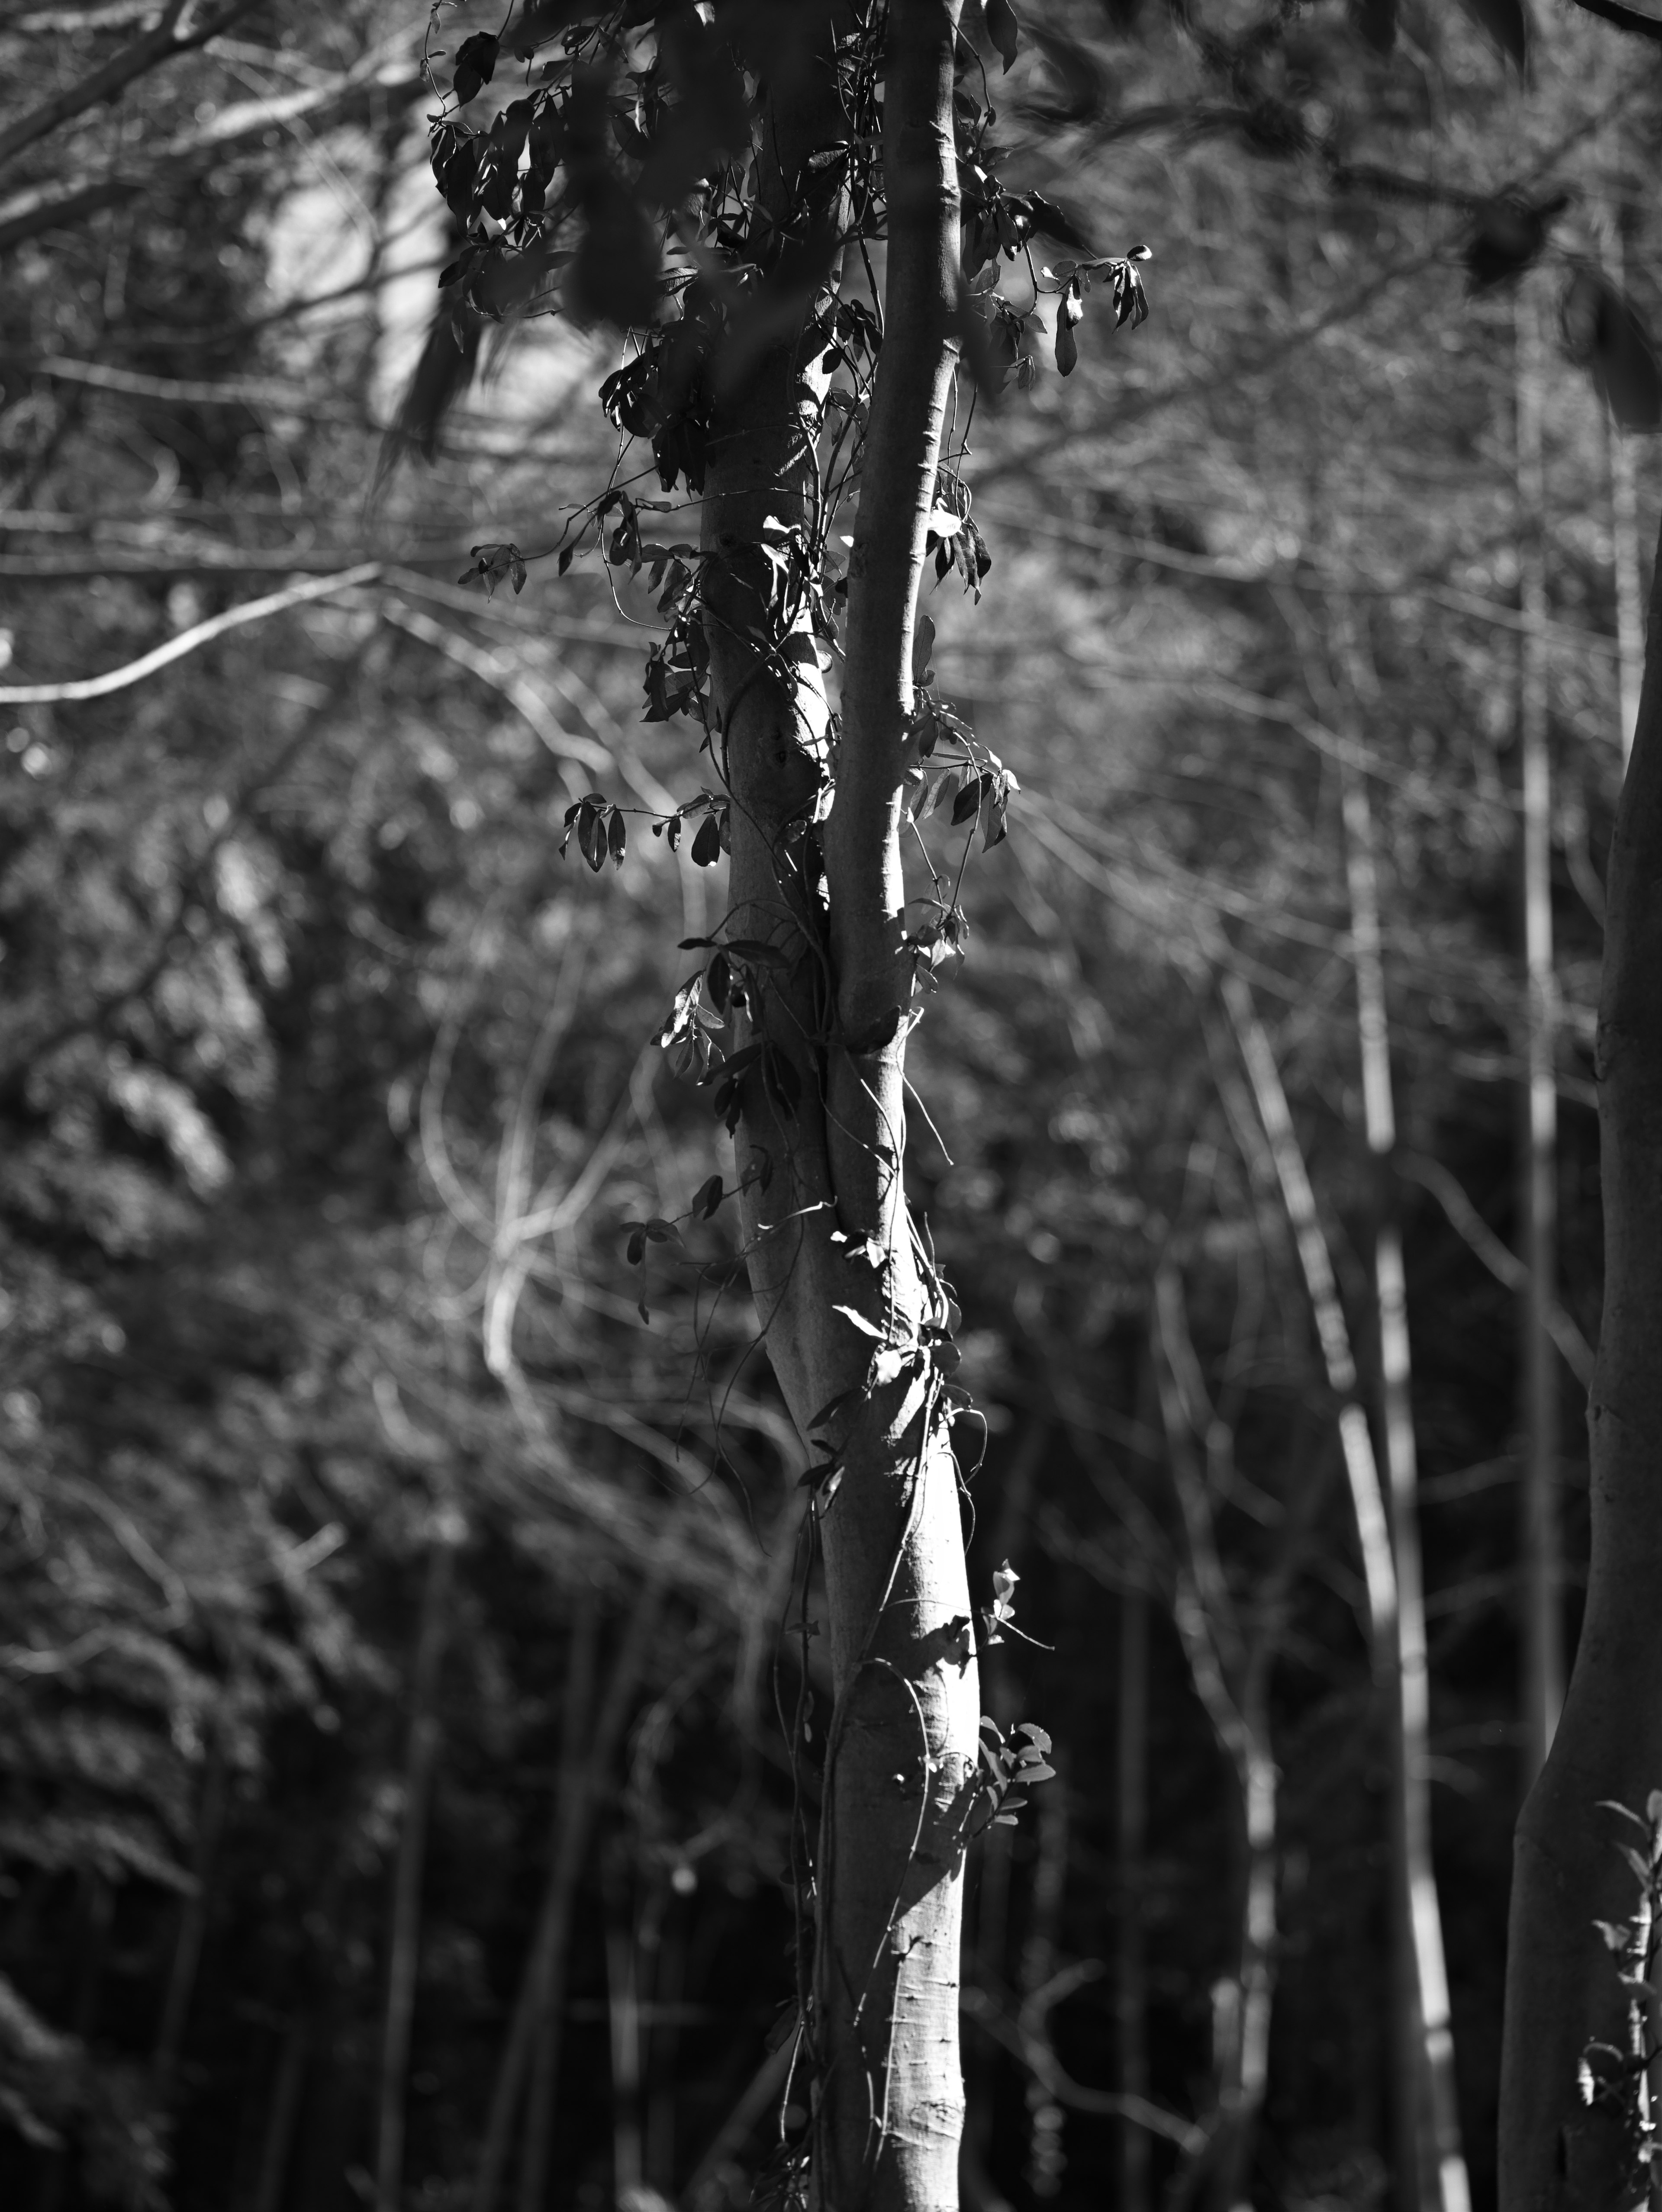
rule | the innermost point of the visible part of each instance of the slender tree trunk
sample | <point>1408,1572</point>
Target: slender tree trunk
<point>187,1945</point>
<point>403,1948</point>
<point>1557,2155</point>
<point>542,1986</point>
<point>1543,1655</point>
<point>624,2022</point>
<point>1398,1655</point>
<point>821,1150</point>
<point>1131,1842</point>
<point>1429,2157</point>
<point>1047,2157</point>
<point>192,1921</point>
<point>568,1791</point>
<point>1624,526</point>
<point>1231,1675</point>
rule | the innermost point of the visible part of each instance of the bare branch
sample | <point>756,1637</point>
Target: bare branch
<point>158,45</point>
<point>188,640</point>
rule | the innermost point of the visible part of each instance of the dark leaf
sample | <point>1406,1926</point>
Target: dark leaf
<point>967,805</point>
<point>1003,28</point>
<point>634,1250</point>
<point>923,647</point>
<point>718,982</point>
<point>707,845</point>
<point>476,64</point>
<point>618,836</point>
<point>708,1196</point>
<point>1052,221</point>
<point>1067,345</point>
<point>831,1408</point>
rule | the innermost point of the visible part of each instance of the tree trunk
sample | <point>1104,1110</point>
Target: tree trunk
<point>1426,2088</point>
<point>821,1145</point>
<point>1562,1987</point>
<point>1624,523</point>
<point>1543,1655</point>
<point>1395,1606</point>
<point>1230,1674</point>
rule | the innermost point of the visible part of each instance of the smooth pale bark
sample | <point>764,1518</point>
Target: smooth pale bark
<point>1544,1637</point>
<point>829,1227</point>
<point>1561,1988</point>
<point>1430,2158</point>
<point>1624,523</point>
<point>1231,1671</point>
<point>1398,1651</point>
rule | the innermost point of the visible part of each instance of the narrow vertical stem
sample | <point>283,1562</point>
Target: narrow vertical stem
<point>542,1980</point>
<point>1428,2041</point>
<point>1131,1833</point>
<point>624,2018</point>
<point>1046,2156</point>
<point>545,2059</point>
<point>192,1921</point>
<point>1544,1660</point>
<point>404,1939</point>
<point>1624,528</point>
<point>1399,1654</point>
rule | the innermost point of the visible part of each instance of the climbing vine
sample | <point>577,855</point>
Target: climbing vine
<point>619,166</point>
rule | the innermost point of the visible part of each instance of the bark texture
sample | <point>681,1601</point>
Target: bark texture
<point>825,1220</point>
<point>1562,1987</point>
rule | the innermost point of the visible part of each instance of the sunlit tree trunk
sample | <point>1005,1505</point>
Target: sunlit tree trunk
<point>1426,2044</point>
<point>1544,1657</point>
<point>1624,525</point>
<point>1399,1660</point>
<point>1556,2155</point>
<point>1231,1672</point>
<point>825,1220</point>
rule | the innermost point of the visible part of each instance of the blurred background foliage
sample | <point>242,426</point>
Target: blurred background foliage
<point>393,1641</point>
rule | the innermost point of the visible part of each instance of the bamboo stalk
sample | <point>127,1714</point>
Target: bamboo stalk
<point>1399,1666</point>
<point>1424,2026</point>
<point>1543,1655</point>
<point>545,2062</point>
<point>1131,1827</point>
<point>542,1979</point>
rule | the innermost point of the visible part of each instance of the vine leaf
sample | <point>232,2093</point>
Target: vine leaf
<point>1003,28</point>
